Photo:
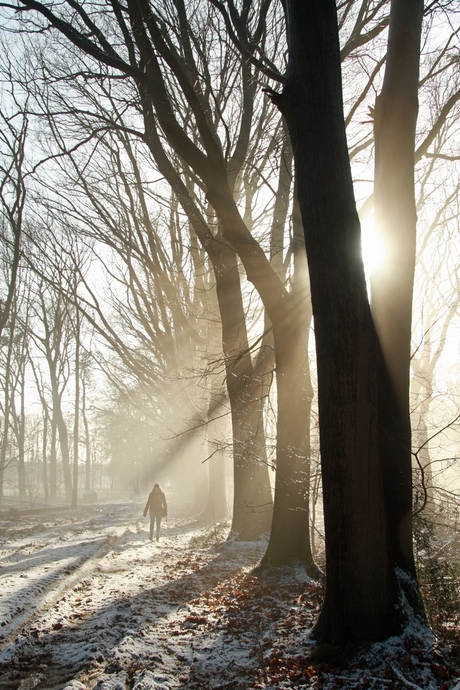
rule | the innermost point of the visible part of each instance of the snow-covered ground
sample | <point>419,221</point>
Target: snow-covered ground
<point>87,601</point>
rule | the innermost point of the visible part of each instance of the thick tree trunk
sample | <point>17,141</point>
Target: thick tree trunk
<point>361,599</point>
<point>395,118</point>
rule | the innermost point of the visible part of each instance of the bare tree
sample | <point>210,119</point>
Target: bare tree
<point>361,588</point>
<point>14,125</point>
<point>165,55</point>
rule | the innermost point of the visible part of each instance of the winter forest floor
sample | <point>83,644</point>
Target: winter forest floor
<point>87,601</point>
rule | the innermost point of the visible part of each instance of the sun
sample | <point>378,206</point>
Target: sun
<point>372,246</point>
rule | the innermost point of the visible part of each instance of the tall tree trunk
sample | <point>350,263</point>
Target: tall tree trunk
<point>7,413</point>
<point>53,458</point>
<point>290,534</point>
<point>361,600</point>
<point>84,417</point>
<point>251,479</point>
<point>63,443</point>
<point>395,118</point>
<point>280,306</point>
<point>76,429</point>
<point>252,502</point>
<point>217,431</point>
<point>21,437</point>
<point>4,442</point>
<point>44,455</point>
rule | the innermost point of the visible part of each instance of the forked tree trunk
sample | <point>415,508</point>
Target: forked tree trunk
<point>281,309</point>
<point>361,600</point>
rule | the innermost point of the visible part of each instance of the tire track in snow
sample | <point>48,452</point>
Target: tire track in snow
<point>46,591</point>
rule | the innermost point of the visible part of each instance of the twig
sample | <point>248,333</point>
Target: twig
<point>403,679</point>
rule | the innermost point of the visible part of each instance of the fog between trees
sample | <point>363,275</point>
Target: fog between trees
<point>161,288</point>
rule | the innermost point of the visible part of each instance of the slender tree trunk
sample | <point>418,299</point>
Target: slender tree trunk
<point>45,455</point>
<point>217,431</point>
<point>252,504</point>
<point>53,459</point>
<point>21,426</point>
<point>423,367</point>
<point>4,439</point>
<point>63,443</point>
<point>395,118</point>
<point>425,502</point>
<point>87,439</point>
<point>6,415</point>
<point>76,430</point>
<point>290,533</point>
<point>361,600</point>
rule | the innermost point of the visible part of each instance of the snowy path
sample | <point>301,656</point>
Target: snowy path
<point>87,602</point>
<point>36,569</point>
<point>86,594</point>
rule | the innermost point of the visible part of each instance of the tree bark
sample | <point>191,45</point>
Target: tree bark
<point>290,534</point>
<point>252,502</point>
<point>361,600</point>
<point>76,428</point>
<point>44,455</point>
<point>395,116</point>
<point>53,458</point>
<point>21,436</point>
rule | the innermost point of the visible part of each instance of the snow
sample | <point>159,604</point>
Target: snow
<point>88,602</point>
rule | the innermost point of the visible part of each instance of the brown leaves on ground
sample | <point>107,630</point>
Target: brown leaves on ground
<point>272,613</point>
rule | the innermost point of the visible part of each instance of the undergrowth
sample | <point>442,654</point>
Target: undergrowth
<point>438,562</point>
<point>213,534</point>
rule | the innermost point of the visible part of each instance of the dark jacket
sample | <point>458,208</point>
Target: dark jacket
<point>156,504</point>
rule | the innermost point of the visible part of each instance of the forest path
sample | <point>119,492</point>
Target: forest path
<point>38,563</point>
<point>85,593</point>
<point>87,602</point>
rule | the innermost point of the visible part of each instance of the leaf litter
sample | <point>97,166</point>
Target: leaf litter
<point>89,603</point>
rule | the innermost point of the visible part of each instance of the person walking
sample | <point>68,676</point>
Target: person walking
<point>156,505</point>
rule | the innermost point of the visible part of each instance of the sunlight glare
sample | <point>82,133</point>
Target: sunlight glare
<point>373,247</point>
